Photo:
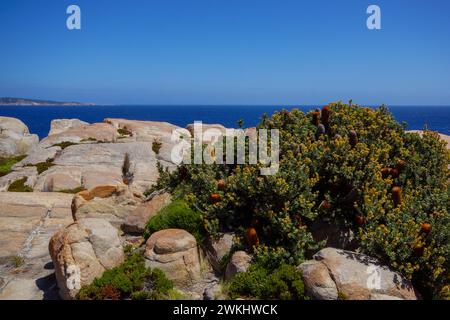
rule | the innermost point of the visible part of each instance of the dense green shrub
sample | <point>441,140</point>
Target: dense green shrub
<point>7,163</point>
<point>177,215</point>
<point>20,186</point>
<point>348,165</point>
<point>129,280</point>
<point>283,283</point>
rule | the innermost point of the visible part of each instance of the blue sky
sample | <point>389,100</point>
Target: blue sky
<point>227,52</point>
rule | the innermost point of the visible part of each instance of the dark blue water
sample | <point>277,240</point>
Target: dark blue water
<point>38,118</point>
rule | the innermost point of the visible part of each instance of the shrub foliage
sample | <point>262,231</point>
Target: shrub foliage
<point>344,164</point>
<point>129,280</point>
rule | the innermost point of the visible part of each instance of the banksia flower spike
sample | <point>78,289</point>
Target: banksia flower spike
<point>320,131</point>
<point>215,197</point>
<point>359,220</point>
<point>385,172</point>
<point>251,236</point>
<point>397,196</point>
<point>395,173</point>
<point>324,205</point>
<point>400,165</point>
<point>221,184</point>
<point>316,118</point>
<point>425,228</point>
<point>353,137</point>
<point>325,115</point>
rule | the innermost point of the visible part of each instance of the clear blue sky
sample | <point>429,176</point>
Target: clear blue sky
<point>227,52</point>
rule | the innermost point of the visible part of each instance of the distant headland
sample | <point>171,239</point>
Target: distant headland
<point>7,101</point>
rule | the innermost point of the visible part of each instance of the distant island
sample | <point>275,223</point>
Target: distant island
<point>34,102</point>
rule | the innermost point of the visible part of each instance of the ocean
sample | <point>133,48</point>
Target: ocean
<point>38,118</point>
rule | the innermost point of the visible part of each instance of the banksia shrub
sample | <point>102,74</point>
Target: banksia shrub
<point>366,173</point>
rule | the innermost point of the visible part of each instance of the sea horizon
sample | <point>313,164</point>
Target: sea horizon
<point>415,116</point>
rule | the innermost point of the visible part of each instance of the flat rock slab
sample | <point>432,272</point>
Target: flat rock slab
<point>27,222</point>
<point>355,275</point>
<point>138,218</point>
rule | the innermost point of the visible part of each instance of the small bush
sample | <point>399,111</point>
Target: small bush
<point>19,186</point>
<point>124,132</point>
<point>283,283</point>
<point>129,280</point>
<point>156,146</point>
<point>177,215</point>
<point>7,163</point>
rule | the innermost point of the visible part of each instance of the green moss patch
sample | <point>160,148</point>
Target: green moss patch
<point>7,163</point>
<point>19,186</point>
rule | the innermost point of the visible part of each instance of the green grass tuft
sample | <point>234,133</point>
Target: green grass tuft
<point>7,163</point>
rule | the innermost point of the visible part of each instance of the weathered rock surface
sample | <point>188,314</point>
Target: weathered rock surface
<point>102,163</point>
<point>27,222</point>
<point>15,138</point>
<point>83,251</point>
<point>26,172</point>
<point>355,275</point>
<point>135,221</point>
<point>111,203</point>
<point>60,125</point>
<point>219,248</point>
<point>239,262</point>
<point>38,155</point>
<point>97,132</point>
<point>175,252</point>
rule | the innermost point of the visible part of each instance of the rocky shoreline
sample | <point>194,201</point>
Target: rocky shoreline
<point>89,201</point>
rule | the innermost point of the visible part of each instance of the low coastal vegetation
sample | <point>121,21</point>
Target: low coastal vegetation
<point>6,164</point>
<point>345,165</point>
<point>177,215</point>
<point>130,280</point>
<point>262,282</point>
